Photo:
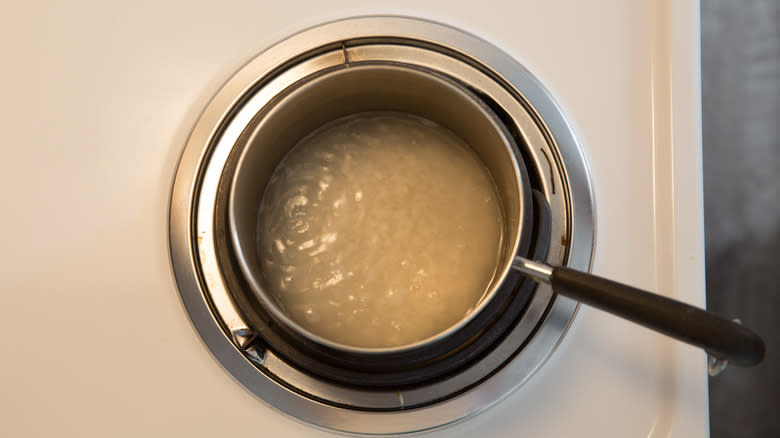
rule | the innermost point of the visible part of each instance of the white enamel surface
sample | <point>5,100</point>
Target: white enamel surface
<point>98,102</point>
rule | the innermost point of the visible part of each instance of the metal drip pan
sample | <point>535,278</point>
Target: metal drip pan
<point>220,305</point>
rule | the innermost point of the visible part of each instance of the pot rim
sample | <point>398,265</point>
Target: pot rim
<point>503,265</point>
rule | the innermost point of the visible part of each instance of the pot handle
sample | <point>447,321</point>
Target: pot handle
<point>720,337</point>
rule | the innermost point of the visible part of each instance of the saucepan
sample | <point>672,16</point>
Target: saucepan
<point>382,86</point>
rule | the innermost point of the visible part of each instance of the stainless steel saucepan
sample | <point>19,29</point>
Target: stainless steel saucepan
<point>371,86</point>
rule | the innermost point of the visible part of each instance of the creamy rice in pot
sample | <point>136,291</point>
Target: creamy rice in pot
<point>379,230</point>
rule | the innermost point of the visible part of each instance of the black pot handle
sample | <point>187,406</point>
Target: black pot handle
<point>720,337</point>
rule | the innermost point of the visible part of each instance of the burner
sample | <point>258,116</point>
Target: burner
<point>414,393</point>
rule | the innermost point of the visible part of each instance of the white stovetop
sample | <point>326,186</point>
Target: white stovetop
<point>97,102</point>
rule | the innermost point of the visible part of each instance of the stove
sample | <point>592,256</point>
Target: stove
<point>123,122</point>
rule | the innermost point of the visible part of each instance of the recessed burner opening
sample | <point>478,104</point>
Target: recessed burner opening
<point>310,384</point>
